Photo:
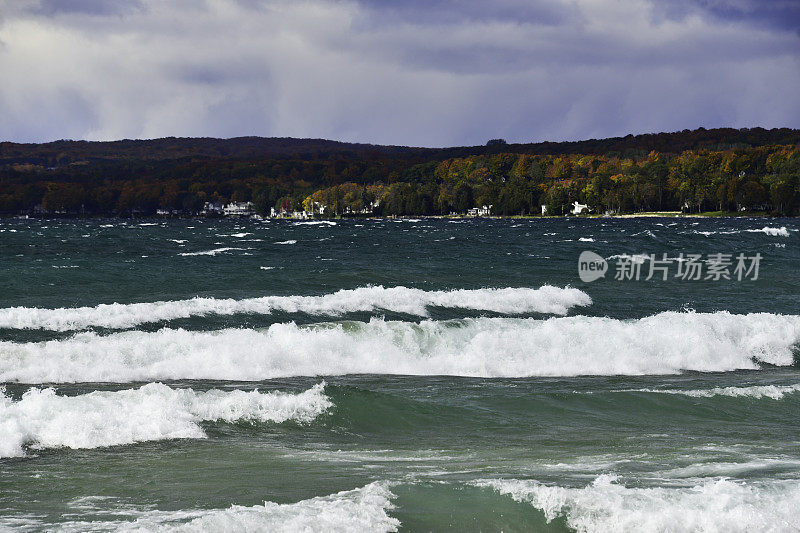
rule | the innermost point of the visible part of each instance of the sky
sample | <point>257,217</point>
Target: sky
<point>404,72</point>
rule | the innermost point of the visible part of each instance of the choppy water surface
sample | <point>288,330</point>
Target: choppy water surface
<point>383,375</point>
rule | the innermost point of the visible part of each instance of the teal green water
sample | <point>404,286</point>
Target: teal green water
<point>381,375</point>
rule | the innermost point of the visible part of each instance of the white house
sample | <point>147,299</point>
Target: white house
<point>578,208</point>
<point>317,208</point>
<point>485,211</point>
<point>238,209</point>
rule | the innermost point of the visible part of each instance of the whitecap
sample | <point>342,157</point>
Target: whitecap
<point>775,392</point>
<point>546,299</point>
<point>666,343</point>
<point>775,232</point>
<point>215,251</point>
<point>634,258</point>
<point>364,509</point>
<point>713,505</point>
<point>44,419</point>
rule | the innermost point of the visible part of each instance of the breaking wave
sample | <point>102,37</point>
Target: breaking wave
<point>315,223</point>
<point>362,509</point>
<point>546,299</point>
<point>44,419</point>
<point>635,258</point>
<point>775,392</point>
<point>774,232</point>
<point>215,251</point>
<point>666,343</point>
<point>713,505</point>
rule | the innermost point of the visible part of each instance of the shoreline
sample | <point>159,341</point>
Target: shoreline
<point>645,214</point>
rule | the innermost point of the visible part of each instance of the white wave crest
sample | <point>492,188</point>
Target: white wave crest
<point>775,392</point>
<point>44,419</point>
<point>291,241</point>
<point>546,299</point>
<point>362,509</point>
<point>666,343</point>
<point>215,251</point>
<point>315,223</point>
<point>775,232</point>
<point>717,505</point>
<point>635,258</point>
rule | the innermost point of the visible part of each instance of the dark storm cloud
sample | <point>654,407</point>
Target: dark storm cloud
<point>774,14</point>
<point>437,72</point>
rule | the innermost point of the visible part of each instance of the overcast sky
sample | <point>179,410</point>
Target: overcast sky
<point>413,72</point>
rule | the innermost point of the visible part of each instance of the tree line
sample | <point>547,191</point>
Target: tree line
<point>719,172</point>
<point>753,179</point>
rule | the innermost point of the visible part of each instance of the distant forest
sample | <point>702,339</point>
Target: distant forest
<point>701,170</point>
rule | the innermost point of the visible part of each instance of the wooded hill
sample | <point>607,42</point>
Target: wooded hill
<point>725,169</point>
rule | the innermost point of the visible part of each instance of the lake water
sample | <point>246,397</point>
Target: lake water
<point>381,375</point>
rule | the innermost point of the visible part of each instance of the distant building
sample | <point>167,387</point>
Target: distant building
<point>212,209</point>
<point>370,209</point>
<point>578,208</point>
<point>296,215</point>
<point>544,209</point>
<point>238,209</point>
<point>483,211</point>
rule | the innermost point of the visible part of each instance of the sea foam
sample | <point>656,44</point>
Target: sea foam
<point>215,251</point>
<point>666,343</point>
<point>362,509</point>
<point>546,299</point>
<point>774,392</point>
<point>44,419</point>
<point>773,232</point>
<point>715,505</point>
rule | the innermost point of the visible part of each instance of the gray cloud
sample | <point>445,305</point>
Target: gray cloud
<point>84,7</point>
<point>438,12</point>
<point>428,73</point>
<point>774,14</point>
